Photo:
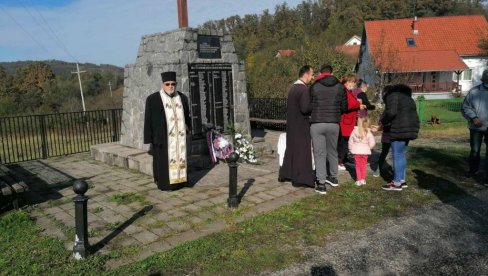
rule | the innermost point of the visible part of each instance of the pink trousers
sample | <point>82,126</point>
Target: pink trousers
<point>361,163</point>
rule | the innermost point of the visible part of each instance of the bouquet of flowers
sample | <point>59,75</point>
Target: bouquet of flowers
<point>244,149</point>
<point>220,148</point>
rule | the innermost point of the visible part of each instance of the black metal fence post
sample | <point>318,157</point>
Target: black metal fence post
<point>233,200</point>
<point>81,247</point>
<point>42,124</point>
<point>115,136</point>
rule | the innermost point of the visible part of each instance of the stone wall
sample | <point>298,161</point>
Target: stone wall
<point>174,51</point>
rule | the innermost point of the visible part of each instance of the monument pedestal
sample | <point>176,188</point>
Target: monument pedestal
<point>116,154</point>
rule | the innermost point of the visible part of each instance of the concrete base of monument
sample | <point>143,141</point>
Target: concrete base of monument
<point>115,154</point>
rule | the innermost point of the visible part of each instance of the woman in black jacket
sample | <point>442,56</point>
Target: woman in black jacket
<point>401,117</point>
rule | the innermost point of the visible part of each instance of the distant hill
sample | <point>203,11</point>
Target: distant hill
<point>63,68</point>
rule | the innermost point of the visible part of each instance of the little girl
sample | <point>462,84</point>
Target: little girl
<point>360,144</point>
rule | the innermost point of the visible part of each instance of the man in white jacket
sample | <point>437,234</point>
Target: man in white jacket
<point>475,110</point>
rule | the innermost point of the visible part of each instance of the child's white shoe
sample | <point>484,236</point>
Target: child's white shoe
<point>363,182</point>
<point>358,183</point>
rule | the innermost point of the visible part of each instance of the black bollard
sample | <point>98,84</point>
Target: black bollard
<point>233,200</point>
<point>81,248</point>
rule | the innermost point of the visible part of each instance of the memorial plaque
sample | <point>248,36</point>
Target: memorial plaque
<point>208,47</point>
<point>211,95</point>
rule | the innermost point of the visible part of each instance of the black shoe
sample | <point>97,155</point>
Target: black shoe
<point>320,188</point>
<point>332,181</point>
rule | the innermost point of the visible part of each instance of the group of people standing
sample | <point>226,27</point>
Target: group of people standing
<point>327,117</point>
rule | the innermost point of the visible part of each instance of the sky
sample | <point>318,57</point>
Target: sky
<point>102,31</point>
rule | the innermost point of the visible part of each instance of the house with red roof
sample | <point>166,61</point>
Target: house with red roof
<point>285,53</point>
<point>350,48</point>
<point>436,56</point>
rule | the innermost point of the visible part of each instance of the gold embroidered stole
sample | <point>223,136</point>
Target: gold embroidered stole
<point>175,121</point>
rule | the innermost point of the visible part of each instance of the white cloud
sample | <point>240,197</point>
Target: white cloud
<point>107,31</point>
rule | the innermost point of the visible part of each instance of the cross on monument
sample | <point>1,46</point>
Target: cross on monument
<point>182,14</point>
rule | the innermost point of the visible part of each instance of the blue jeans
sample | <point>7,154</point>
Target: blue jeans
<point>475,140</point>
<point>398,151</point>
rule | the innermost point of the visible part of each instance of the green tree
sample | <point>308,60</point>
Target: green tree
<point>34,75</point>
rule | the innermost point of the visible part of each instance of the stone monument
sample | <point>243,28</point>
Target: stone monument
<point>208,73</point>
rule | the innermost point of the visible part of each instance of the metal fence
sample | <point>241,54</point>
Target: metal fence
<point>268,112</point>
<point>447,111</point>
<point>26,138</point>
<point>271,112</point>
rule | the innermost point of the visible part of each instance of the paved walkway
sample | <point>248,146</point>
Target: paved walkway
<point>150,220</point>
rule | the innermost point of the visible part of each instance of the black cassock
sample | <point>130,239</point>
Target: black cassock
<point>156,134</point>
<point>297,162</point>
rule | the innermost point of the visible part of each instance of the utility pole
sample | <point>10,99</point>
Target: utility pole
<point>110,85</point>
<point>81,88</point>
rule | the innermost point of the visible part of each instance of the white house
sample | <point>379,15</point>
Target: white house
<point>436,56</point>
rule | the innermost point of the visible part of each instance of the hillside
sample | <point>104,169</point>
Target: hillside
<point>63,68</point>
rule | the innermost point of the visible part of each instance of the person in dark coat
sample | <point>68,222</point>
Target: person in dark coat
<point>379,166</point>
<point>360,93</point>
<point>297,161</point>
<point>329,101</point>
<point>166,125</point>
<point>400,116</point>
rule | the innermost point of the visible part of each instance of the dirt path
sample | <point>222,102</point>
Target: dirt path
<point>448,238</point>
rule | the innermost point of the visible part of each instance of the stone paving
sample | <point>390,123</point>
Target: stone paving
<point>129,216</point>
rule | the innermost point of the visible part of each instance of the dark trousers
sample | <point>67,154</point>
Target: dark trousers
<point>380,162</point>
<point>385,149</point>
<point>342,149</point>
<point>475,140</point>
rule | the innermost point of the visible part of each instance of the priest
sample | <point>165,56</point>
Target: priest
<point>166,125</point>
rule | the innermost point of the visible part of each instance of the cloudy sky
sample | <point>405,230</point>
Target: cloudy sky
<point>107,31</point>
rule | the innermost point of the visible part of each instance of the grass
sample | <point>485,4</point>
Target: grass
<point>265,242</point>
<point>439,108</point>
<point>127,198</point>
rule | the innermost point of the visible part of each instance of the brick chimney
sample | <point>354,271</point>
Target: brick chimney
<point>415,31</point>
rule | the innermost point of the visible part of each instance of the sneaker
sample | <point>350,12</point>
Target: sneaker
<point>403,184</point>
<point>320,188</point>
<point>341,167</point>
<point>358,183</point>
<point>363,182</point>
<point>391,187</point>
<point>376,173</point>
<point>332,181</point>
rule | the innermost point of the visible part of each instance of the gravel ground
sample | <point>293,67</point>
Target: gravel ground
<point>442,238</point>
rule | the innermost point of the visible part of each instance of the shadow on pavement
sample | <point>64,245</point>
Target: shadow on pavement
<point>246,187</point>
<point>99,245</point>
<point>41,190</point>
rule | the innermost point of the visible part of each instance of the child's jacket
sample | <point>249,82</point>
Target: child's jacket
<point>361,146</point>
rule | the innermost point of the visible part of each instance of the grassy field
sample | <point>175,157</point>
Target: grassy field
<point>448,111</point>
<point>266,242</point>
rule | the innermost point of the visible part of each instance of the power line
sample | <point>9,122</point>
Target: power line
<point>55,35</point>
<point>52,35</point>
<point>23,29</point>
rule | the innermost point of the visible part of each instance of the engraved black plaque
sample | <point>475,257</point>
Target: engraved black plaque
<point>208,47</point>
<point>211,95</point>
